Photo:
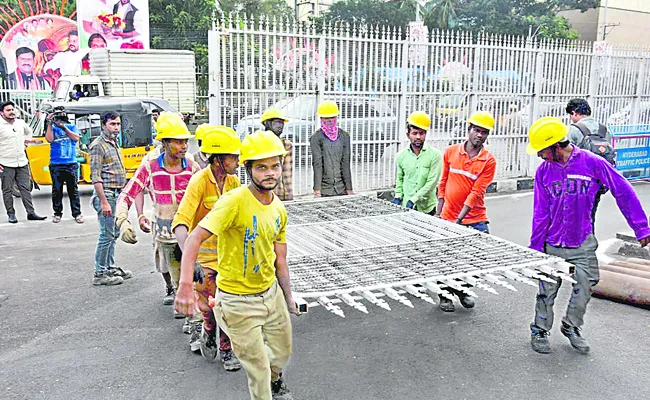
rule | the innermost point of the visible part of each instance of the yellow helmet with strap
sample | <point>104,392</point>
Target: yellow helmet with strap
<point>171,126</point>
<point>483,119</point>
<point>220,140</point>
<point>328,109</point>
<point>419,119</point>
<point>273,113</point>
<point>261,145</point>
<point>545,132</point>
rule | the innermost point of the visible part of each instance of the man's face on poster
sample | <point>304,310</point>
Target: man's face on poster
<point>73,43</point>
<point>98,43</point>
<point>25,63</point>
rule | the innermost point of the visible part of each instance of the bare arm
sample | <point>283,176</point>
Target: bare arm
<point>282,275</point>
<point>466,209</point>
<point>49,135</point>
<point>106,207</point>
<point>181,235</point>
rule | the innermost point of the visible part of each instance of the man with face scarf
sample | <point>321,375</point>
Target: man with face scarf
<point>274,120</point>
<point>331,152</point>
<point>566,186</point>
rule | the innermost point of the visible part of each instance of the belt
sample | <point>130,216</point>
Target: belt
<point>248,294</point>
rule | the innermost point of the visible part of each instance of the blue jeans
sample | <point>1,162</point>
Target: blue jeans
<point>108,233</point>
<point>480,226</point>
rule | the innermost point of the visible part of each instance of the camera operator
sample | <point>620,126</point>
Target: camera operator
<point>63,137</point>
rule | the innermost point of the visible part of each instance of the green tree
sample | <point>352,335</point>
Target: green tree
<point>375,12</point>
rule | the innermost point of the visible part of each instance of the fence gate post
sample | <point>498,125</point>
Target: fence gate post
<point>534,103</point>
<point>401,112</point>
<point>321,76</point>
<point>636,103</point>
<point>214,77</point>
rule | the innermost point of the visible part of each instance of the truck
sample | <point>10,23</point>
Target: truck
<point>165,74</point>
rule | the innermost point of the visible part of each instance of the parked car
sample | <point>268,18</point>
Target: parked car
<point>371,123</point>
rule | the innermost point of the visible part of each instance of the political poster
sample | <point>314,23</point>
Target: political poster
<point>113,24</point>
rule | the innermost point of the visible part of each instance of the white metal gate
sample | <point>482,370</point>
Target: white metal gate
<point>378,76</point>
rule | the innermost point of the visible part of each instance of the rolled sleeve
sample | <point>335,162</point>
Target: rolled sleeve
<point>482,182</point>
<point>96,155</point>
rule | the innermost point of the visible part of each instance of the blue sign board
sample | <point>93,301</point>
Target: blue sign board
<point>632,144</point>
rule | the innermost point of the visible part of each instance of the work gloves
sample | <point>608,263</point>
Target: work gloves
<point>126,233</point>
<point>410,205</point>
<point>396,201</point>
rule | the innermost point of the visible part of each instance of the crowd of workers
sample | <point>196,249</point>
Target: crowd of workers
<point>214,238</point>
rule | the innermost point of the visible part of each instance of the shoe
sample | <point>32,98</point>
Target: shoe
<point>209,348</point>
<point>279,390</point>
<point>467,301</point>
<point>122,273</point>
<point>187,326</point>
<point>12,219</point>
<point>539,340</point>
<point>195,337</point>
<point>169,298</point>
<point>446,305</point>
<point>56,219</point>
<point>577,341</point>
<point>79,219</point>
<point>178,315</point>
<point>107,280</point>
<point>231,362</point>
<point>35,217</point>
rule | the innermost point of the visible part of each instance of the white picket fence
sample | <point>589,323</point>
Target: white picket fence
<point>379,75</point>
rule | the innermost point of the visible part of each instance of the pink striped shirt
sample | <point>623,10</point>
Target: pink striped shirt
<point>165,188</point>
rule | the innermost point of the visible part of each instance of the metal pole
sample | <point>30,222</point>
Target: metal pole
<point>605,20</point>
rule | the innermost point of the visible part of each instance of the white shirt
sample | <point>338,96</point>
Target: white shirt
<point>12,143</point>
<point>67,62</point>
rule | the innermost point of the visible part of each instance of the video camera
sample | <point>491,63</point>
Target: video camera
<point>59,115</point>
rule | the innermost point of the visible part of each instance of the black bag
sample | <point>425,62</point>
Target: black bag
<point>597,143</point>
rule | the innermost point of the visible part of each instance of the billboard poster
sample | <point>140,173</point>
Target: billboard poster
<point>113,24</point>
<point>38,50</point>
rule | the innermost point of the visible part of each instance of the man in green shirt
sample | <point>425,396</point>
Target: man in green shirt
<point>418,168</point>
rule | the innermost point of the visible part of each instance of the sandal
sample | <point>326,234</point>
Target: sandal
<point>79,219</point>
<point>56,219</point>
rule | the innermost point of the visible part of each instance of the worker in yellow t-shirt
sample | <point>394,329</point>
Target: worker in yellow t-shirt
<point>254,291</point>
<point>221,145</point>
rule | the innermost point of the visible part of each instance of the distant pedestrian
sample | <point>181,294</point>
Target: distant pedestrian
<point>64,168</point>
<point>418,168</point>
<point>14,166</point>
<point>331,153</point>
<point>566,185</point>
<point>274,120</point>
<point>108,177</point>
<point>468,169</point>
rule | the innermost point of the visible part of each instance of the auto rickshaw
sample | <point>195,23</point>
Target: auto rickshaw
<point>135,139</point>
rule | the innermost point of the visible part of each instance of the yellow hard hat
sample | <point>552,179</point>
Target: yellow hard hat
<point>483,119</point>
<point>273,113</point>
<point>419,119</point>
<point>328,109</point>
<point>220,140</point>
<point>261,145</point>
<point>201,130</point>
<point>171,126</point>
<point>545,132</point>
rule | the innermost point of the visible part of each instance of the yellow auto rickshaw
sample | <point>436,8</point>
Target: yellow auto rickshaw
<point>135,139</point>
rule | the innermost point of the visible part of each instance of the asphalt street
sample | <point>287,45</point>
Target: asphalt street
<point>62,338</point>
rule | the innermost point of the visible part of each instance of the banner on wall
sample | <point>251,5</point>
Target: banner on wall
<point>113,24</point>
<point>38,50</point>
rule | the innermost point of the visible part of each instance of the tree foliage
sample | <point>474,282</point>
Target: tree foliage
<point>492,16</point>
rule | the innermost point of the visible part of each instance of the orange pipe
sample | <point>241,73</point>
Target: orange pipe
<point>626,264</point>
<point>623,287</point>
<point>639,261</point>
<point>627,271</point>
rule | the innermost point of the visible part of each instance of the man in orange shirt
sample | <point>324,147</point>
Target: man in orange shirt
<point>468,168</point>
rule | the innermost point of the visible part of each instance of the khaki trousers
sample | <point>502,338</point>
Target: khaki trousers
<point>259,327</point>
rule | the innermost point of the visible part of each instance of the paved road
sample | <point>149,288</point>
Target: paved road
<point>62,338</point>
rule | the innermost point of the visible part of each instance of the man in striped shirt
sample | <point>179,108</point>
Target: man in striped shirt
<point>468,168</point>
<point>166,177</point>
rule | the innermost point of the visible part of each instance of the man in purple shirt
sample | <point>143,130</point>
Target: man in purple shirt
<point>566,185</point>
